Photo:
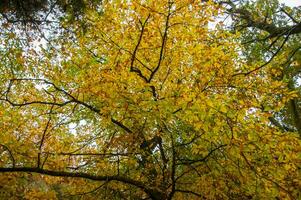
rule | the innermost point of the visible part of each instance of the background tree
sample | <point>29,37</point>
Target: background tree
<point>270,30</point>
<point>38,11</point>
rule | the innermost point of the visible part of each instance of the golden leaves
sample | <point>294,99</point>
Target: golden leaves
<point>148,69</point>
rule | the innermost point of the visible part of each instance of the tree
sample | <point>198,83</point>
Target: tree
<point>148,102</point>
<point>273,31</point>
<point>38,11</point>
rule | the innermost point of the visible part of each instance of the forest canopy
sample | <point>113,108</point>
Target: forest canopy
<point>145,99</point>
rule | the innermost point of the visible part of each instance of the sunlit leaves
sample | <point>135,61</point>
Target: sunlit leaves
<point>148,94</point>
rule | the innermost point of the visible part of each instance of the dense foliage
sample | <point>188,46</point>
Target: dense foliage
<point>152,100</point>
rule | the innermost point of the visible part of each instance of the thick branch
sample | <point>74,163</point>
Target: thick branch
<point>296,115</point>
<point>154,194</point>
<point>277,124</point>
<point>121,125</point>
<point>262,24</point>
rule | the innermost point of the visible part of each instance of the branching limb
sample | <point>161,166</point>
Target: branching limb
<point>132,68</point>
<point>153,193</point>
<point>191,161</point>
<point>164,39</point>
<point>190,192</point>
<point>10,154</point>
<point>43,137</point>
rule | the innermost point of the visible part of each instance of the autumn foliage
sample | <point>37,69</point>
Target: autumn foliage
<point>148,100</point>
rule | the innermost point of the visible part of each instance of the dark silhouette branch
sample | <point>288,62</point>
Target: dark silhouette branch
<point>153,193</point>
<point>72,100</point>
<point>132,68</point>
<point>191,161</point>
<point>190,192</point>
<point>164,39</point>
<point>10,154</point>
<point>90,154</point>
<point>266,63</point>
<point>122,126</point>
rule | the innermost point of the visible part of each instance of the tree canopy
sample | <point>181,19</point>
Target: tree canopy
<point>134,99</point>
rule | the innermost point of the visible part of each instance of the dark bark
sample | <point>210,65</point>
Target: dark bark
<point>153,193</point>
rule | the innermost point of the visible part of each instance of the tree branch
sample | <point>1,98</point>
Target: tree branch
<point>262,24</point>
<point>164,39</point>
<point>189,161</point>
<point>10,154</point>
<point>132,68</point>
<point>190,192</point>
<point>266,63</point>
<point>153,193</point>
